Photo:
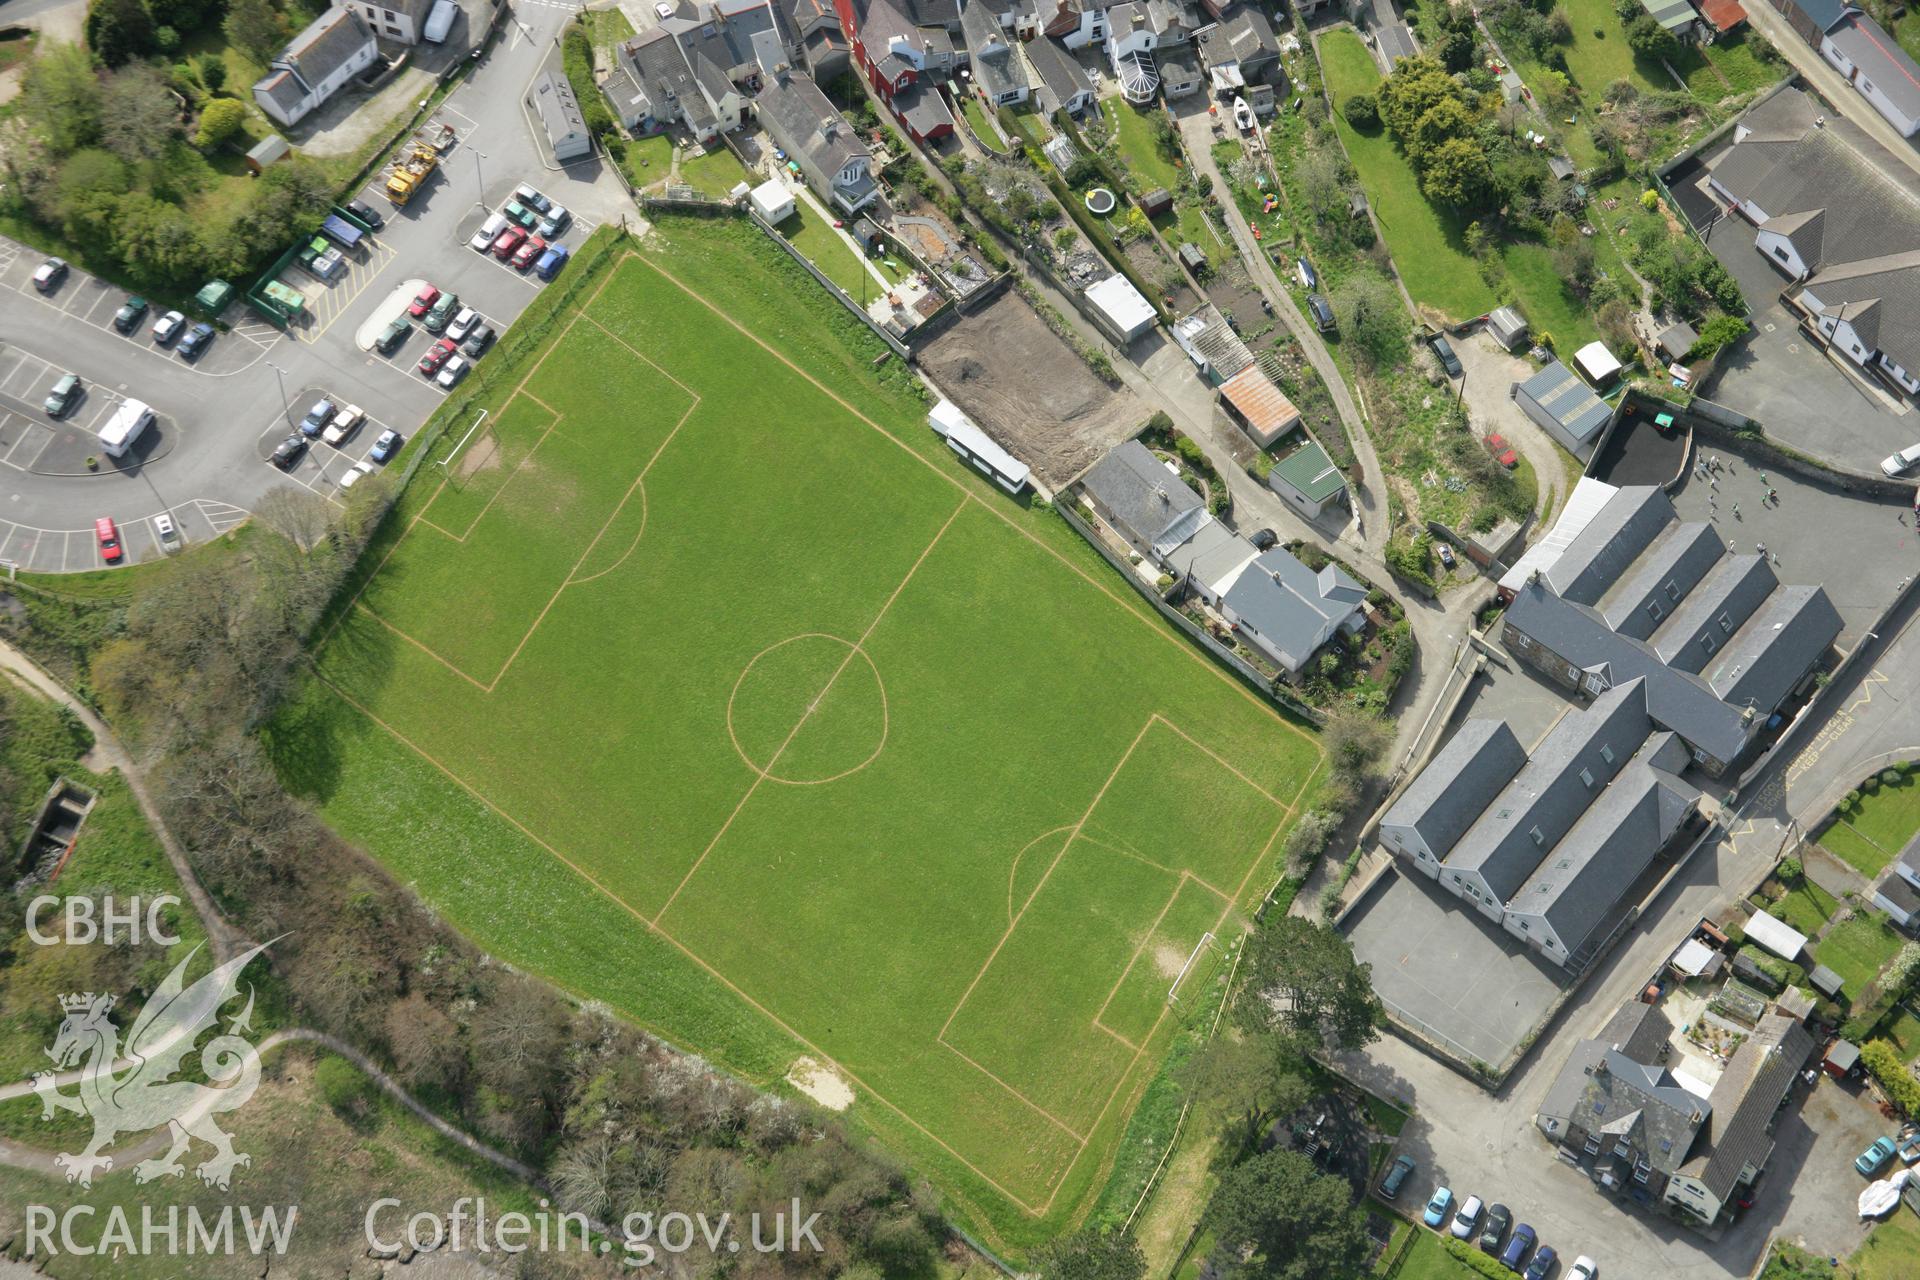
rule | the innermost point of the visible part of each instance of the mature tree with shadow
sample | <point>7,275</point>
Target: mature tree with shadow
<point>1302,982</point>
<point>1091,1254</point>
<point>1245,1078</point>
<point>1277,1216</point>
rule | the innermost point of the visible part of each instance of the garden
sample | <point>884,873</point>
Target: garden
<point>1876,820</point>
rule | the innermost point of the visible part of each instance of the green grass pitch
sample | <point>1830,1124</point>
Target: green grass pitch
<point>707,682</point>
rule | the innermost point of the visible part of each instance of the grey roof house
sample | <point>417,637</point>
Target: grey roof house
<point>998,71</point>
<point>1736,1141</point>
<point>1143,500</point>
<point>1240,50</point>
<point>800,120</point>
<point>559,112</point>
<point>1287,611</point>
<point>316,64</point>
<point>697,68</point>
<point>1063,82</point>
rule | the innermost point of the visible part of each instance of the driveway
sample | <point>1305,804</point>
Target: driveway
<point>1490,374</point>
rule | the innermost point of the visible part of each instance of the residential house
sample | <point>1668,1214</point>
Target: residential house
<point>1063,84</point>
<point>697,69</point>
<point>1149,44</point>
<point>1899,899</point>
<point>1637,595</point>
<point>1210,561</point>
<point>1639,1030</point>
<point>315,65</point>
<point>397,21</point>
<point>903,56</point>
<point>1861,50</point>
<point>1736,1140</point>
<point>824,47</point>
<point>999,73</point>
<point>1074,23</point>
<point>1287,611</point>
<point>1144,500</point>
<point>801,122</point>
<point>1308,481</point>
<point>1565,407</point>
<point>1242,56</point>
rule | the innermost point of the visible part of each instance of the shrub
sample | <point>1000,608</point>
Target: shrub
<point>1871,785</point>
<point>1881,1059</point>
<point>343,1088</point>
<point>1362,112</point>
<point>1890,777</point>
<point>1475,1261</point>
<point>1789,871</point>
<point>220,123</point>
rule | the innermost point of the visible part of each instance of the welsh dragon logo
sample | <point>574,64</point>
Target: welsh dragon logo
<point>131,1090</point>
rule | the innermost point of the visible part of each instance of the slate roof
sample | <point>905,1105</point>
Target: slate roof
<point>1879,58</point>
<point>803,121</point>
<point>1823,13</point>
<point>1880,298</point>
<point>329,42</point>
<point>1672,566</point>
<point>283,89</point>
<point>1139,491</point>
<point>1644,1105</point>
<point>1636,1030</point>
<point>996,67</point>
<point>1569,400</point>
<point>922,109</point>
<point>1534,812</point>
<point>1677,339</point>
<point>1601,553</point>
<point>559,110</point>
<point>1058,70</point>
<point>1863,213</point>
<point>1396,42</point>
<point>1709,614</point>
<point>1743,1102</point>
<point>1211,555</point>
<point>1902,895</point>
<point>1782,640</point>
<point>1242,35</point>
<point>1458,784</point>
<point>1293,607</point>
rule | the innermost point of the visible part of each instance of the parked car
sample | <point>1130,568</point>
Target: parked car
<point>128,317</point>
<point>367,214</point>
<point>1584,1268</point>
<point>1437,1205</point>
<point>49,275</point>
<point>385,446</point>
<point>108,535</point>
<point>663,10</point>
<point>423,301</point>
<point>524,256</point>
<point>436,356</point>
<point>478,341</point>
<point>1502,451</point>
<point>520,214</point>
<point>1443,351</point>
<point>355,474</point>
<point>1494,1234</point>
<point>1542,1265</point>
<point>483,239</point>
<point>393,336</point>
<point>556,221</point>
<point>1264,539</point>
<point>462,323</point>
<point>65,394</point>
<point>289,451</point>
<point>168,327</point>
<point>165,529</point>
<point>508,242</point>
<point>440,315</point>
<point>1465,1220</point>
<point>452,371</point>
<point>1874,1158</point>
<point>551,261</point>
<point>1396,1177</point>
<point>318,417</point>
<point>1516,1251</point>
<point>197,340</point>
<point>531,198</point>
<point>1447,557</point>
<point>1909,1147</point>
<point>1905,460</point>
<point>344,424</point>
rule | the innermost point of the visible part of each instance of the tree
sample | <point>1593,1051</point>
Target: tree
<point>1456,50</point>
<point>157,241</point>
<point>212,72</point>
<point>118,31</point>
<point>1649,39</point>
<point>1355,741</point>
<point>256,27</point>
<point>1091,1254</point>
<point>1416,86</point>
<point>1322,181</point>
<point>1445,120</point>
<point>1370,314</point>
<point>1245,1078</point>
<point>1301,980</point>
<point>139,118</point>
<point>1362,112</point>
<point>1458,174</point>
<point>60,96</point>
<point>220,122</point>
<point>183,15</point>
<point>1277,1216</point>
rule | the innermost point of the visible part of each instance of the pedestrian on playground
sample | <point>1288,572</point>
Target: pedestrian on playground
<point>1736,511</point>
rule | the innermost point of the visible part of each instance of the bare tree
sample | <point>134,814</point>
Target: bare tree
<point>301,516</point>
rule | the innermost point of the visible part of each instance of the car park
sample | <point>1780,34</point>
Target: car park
<point>436,356</point>
<point>344,424</point>
<point>509,242</point>
<point>1542,1265</point>
<point>108,535</point>
<point>65,394</point>
<point>47,277</point>
<point>1396,1177</point>
<point>462,323</point>
<point>165,529</point>
<point>551,261</point>
<point>1494,1234</point>
<point>385,446</point>
<point>367,214</point>
<point>318,417</point>
<point>355,474</point>
<point>1516,1251</point>
<point>478,341</point>
<point>452,371</point>
<point>556,221</point>
<point>197,339</point>
<point>1466,1219</point>
<point>1437,1205</point>
<point>520,215</point>
<point>127,318</point>
<point>1443,352</point>
<point>168,327</point>
<point>1875,1157</point>
<point>440,315</point>
<point>482,240</point>
<point>1902,462</point>
<point>1584,1268</point>
<point>393,336</point>
<point>524,256</point>
<point>289,451</point>
<point>423,301</point>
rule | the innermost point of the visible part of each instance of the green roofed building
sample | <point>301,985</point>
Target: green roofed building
<point>214,297</point>
<point>1308,480</point>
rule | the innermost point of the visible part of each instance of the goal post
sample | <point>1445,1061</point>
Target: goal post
<point>462,442</point>
<point>1207,948</point>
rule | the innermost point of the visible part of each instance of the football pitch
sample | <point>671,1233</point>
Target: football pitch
<point>706,682</point>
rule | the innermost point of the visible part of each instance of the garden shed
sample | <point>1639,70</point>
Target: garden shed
<point>1825,981</point>
<point>1780,938</point>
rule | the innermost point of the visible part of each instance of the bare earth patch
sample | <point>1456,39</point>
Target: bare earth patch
<point>1169,961</point>
<point>484,456</point>
<point>1029,390</point>
<point>821,1083</point>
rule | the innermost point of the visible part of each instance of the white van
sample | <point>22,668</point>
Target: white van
<point>489,232</point>
<point>129,421</point>
<point>439,22</point>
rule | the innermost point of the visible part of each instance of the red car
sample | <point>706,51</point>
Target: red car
<point>1501,451</point>
<point>109,535</point>
<point>509,240</point>
<point>436,356</point>
<point>523,256</point>
<point>423,302</point>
